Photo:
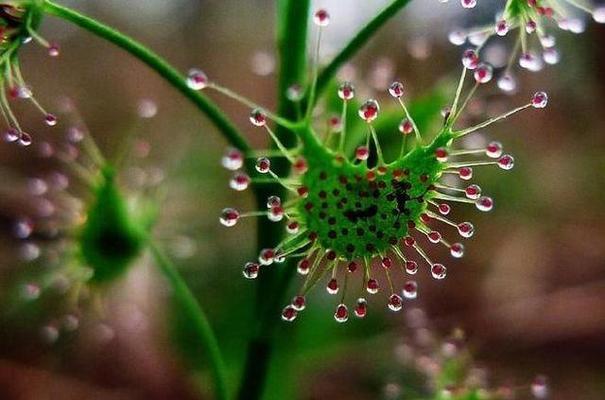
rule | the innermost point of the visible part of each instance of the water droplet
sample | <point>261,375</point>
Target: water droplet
<point>361,308</point>
<point>342,313</point>
<point>196,79</point>
<point>250,270</point>
<point>346,91</point>
<point>441,154</point>
<point>299,303</point>
<point>483,73</point>
<point>410,290</point>
<point>531,26</point>
<point>470,59</point>
<point>438,271</point>
<point>53,49</point>
<point>233,159</point>
<point>12,135</point>
<point>493,149</point>
<point>539,100</point>
<point>506,162</point>
<point>386,262</point>
<point>23,228</point>
<point>484,203</point>
<point>507,83</point>
<point>303,266</point>
<point>147,108</point>
<point>444,209</point>
<point>229,217</point>
<point>395,302</point>
<point>25,139</point>
<point>263,165</point>
<point>539,387</point>
<point>599,15</point>
<point>294,92</point>
<point>258,117</point>
<point>293,227</point>
<point>465,173</point>
<point>502,28</point>
<point>466,229</point>
<point>321,18</point>
<point>300,165</point>
<point>406,127</point>
<point>457,250</point>
<point>434,236</point>
<point>239,181</point>
<point>369,110</point>
<point>372,286</point>
<point>551,56</point>
<point>276,214</point>
<point>289,314</point>
<point>472,192</point>
<point>530,62</point>
<point>362,153</point>
<point>332,286</point>
<point>396,89</point>
<point>411,267</point>
<point>266,256</point>
<point>457,37</point>
<point>468,3</point>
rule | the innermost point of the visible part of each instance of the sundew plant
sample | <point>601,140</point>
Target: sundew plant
<point>356,190</point>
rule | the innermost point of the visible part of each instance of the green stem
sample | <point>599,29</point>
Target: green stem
<point>155,62</point>
<point>292,19</point>
<point>362,37</point>
<point>194,313</point>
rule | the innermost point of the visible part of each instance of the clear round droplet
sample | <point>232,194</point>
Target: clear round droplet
<point>465,173</point>
<point>229,217</point>
<point>362,153</point>
<point>438,271</point>
<point>506,162</point>
<point>266,256</point>
<point>289,313</point>
<point>25,139</point>
<point>484,203</point>
<point>372,286</point>
<point>12,135</point>
<point>53,50</point>
<point>369,110</point>
<point>276,214</point>
<point>483,73</point>
<point>395,302</point>
<point>303,266</point>
<point>466,229</point>
<point>250,270</point>
<point>294,92</point>
<point>507,83</point>
<point>472,192</point>
<point>411,267</point>
<point>457,37</point>
<point>551,56</point>
<point>341,314</point>
<point>196,79</point>
<point>470,59</point>
<point>494,149</point>
<point>239,181</point>
<point>406,127</point>
<point>258,117</point>
<point>468,3</point>
<point>273,201</point>
<point>233,159</point>
<point>263,165</point>
<point>502,28</point>
<point>321,18</point>
<point>410,290</point>
<point>396,89</point>
<point>299,303</point>
<point>599,15</point>
<point>539,100</point>
<point>361,308</point>
<point>346,91</point>
<point>50,119</point>
<point>457,250</point>
<point>332,286</point>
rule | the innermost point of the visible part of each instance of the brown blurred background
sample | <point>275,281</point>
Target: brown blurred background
<point>530,291</point>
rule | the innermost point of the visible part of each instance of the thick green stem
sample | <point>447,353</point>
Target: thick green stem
<point>194,313</point>
<point>292,20</point>
<point>362,37</point>
<point>157,63</point>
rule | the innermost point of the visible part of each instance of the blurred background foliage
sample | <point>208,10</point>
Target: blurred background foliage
<point>530,291</point>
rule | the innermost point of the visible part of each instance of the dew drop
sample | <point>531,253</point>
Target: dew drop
<point>539,100</point>
<point>233,159</point>
<point>502,28</point>
<point>229,217</point>
<point>507,83</point>
<point>530,26</point>
<point>457,37</point>
<point>361,308</point>
<point>197,79</point>
<point>530,62</point>
<point>484,203</point>
<point>239,181</point>
<point>466,229</point>
<point>395,302</point>
<point>441,154</point>
<point>25,139</point>
<point>303,266</point>
<point>250,270</point>
<point>321,18</point>
<point>346,91</point>
<point>457,250</point>
<point>472,192</point>
<point>341,314</point>
<point>444,209</point>
<point>369,110</point>
<point>396,89</point>
<point>276,214</point>
<point>362,153</point>
<point>263,165</point>
<point>292,227</point>
<point>406,127</point>
<point>299,303</point>
<point>599,15</point>
<point>434,236</point>
<point>386,262</point>
<point>506,162</point>
<point>410,290</point>
<point>438,271</point>
<point>372,286</point>
<point>411,267</point>
<point>332,287</point>
<point>483,73</point>
<point>53,49</point>
<point>465,173</point>
<point>289,313</point>
<point>468,3</point>
<point>470,59</point>
<point>266,256</point>
<point>551,56</point>
<point>294,92</point>
<point>23,228</point>
<point>493,149</point>
<point>258,117</point>
<point>12,135</point>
